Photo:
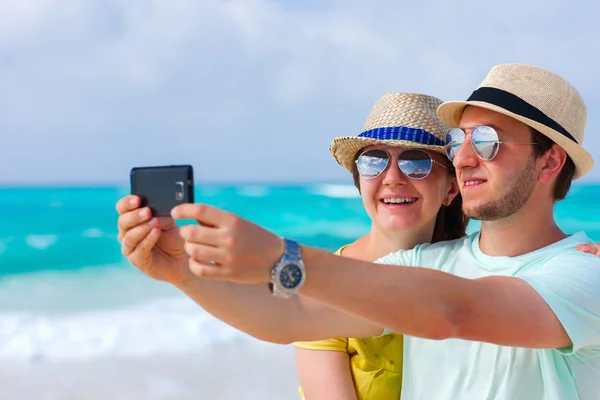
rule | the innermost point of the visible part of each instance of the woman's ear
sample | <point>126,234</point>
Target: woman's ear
<point>452,192</point>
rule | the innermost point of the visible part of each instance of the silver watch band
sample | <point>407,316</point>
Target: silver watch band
<point>288,275</point>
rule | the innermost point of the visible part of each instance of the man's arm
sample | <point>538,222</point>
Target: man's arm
<point>433,304</point>
<point>414,301</point>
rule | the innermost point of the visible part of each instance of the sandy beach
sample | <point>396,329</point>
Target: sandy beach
<point>247,370</point>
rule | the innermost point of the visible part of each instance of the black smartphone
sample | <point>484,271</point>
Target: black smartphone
<point>163,187</point>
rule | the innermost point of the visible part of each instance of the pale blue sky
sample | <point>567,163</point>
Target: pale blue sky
<point>252,90</point>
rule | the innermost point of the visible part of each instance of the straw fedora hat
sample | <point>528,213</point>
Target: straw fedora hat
<point>397,119</point>
<point>536,97</point>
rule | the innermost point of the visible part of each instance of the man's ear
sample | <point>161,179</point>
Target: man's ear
<point>551,163</point>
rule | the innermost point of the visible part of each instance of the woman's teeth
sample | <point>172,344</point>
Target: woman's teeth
<point>400,200</point>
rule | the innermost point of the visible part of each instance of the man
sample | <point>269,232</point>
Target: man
<point>511,312</point>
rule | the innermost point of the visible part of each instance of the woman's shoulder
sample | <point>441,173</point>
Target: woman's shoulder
<point>338,252</point>
<point>354,249</point>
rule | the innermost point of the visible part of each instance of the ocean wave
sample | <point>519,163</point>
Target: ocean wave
<point>30,252</point>
<point>40,242</point>
<point>92,232</point>
<point>346,230</point>
<point>253,191</point>
<point>336,190</point>
<point>163,326</point>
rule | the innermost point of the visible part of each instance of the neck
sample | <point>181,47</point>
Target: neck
<point>529,229</point>
<point>378,243</point>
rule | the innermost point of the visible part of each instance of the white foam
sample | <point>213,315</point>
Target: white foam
<point>336,190</point>
<point>92,233</point>
<point>253,191</point>
<point>164,326</point>
<point>40,242</point>
<point>83,290</point>
<point>348,230</point>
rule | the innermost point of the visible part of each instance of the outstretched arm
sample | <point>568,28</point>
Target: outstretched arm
<point>155,247</point>
<point>415,301</point>
<point>252,309</point>
<point>443,305</point>
<point>433,304</point>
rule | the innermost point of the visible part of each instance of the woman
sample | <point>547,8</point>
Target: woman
<point>409,191</point>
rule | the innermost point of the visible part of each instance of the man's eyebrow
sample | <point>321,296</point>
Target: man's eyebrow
<point>496,127</point>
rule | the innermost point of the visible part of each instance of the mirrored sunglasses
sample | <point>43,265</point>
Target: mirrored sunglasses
<point>484,141</point>
<point>415,164</point>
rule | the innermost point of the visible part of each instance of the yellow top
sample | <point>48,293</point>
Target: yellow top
<point>375,363</point>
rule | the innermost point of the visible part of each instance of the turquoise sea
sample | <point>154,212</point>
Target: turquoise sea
<point>66,292</point>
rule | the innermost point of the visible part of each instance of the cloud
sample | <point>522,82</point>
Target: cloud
<point>92,88</point>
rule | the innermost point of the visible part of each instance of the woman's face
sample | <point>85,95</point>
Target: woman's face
<point>395,202</point>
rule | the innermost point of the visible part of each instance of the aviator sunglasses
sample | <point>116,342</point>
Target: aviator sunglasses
<point>415,164</point>
<point>484,140</point>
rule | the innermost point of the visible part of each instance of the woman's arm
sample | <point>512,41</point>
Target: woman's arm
<point>253,309</point>
<point>324,374</point>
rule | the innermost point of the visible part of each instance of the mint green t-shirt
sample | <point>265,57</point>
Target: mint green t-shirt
<point>455,369</point>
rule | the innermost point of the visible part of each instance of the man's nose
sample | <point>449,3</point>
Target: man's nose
<point>465,156</point>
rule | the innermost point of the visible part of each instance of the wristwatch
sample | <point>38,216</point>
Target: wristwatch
<point>288,275</point>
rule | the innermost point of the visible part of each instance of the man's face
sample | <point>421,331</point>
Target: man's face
<point>496,189</point>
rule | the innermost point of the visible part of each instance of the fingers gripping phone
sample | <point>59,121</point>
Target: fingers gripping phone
<point>163,187</point>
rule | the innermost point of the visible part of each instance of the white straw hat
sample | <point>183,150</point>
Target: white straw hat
<point>397,119</point>
<point>538,98</point>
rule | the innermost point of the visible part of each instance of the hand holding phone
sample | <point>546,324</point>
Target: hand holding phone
<point>163,187</point>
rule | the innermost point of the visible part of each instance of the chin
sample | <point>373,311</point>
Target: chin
<point>401,225</point>
<point>472,205</point>
<point>470,211</point>
<point>483,212</point>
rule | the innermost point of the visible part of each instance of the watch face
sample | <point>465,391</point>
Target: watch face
<point>290,276</point>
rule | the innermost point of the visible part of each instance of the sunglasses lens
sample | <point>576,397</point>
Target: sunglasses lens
<point>454,139</point>
<point>485,142</point>
<point>415,164</point>
<point>372,163</point>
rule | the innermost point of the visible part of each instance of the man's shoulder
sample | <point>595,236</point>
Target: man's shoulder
<point>429,252</point>
<point>567,249</point>
<point>562,261</point>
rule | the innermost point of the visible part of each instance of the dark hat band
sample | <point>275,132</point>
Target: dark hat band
<point>517,105</point>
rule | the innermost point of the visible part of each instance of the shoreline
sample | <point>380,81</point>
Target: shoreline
<point>246,370</point>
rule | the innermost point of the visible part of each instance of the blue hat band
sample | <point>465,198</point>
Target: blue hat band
<point>403,133</point>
